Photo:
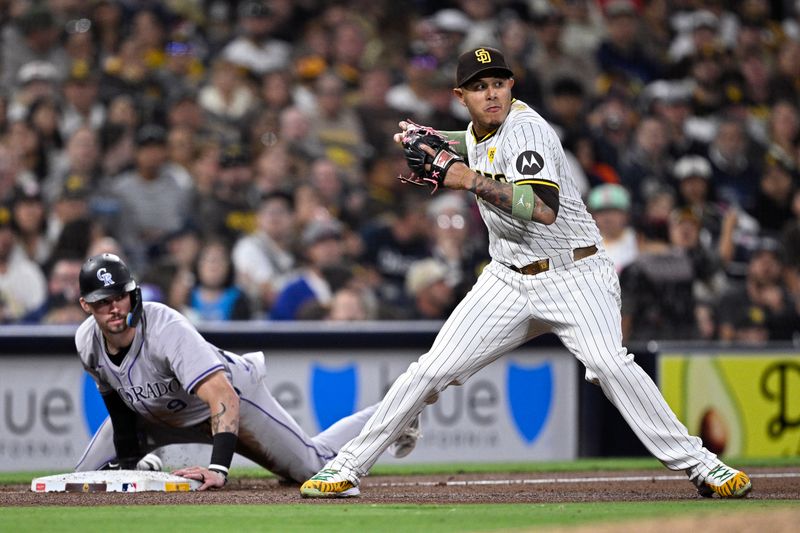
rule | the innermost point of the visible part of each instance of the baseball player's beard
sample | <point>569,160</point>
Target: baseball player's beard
<point>118,326</point>
<point>494,124</point>
<point>484,128</point>
<point>488,123</point>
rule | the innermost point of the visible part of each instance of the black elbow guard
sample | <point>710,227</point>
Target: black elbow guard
<point>548,194</point>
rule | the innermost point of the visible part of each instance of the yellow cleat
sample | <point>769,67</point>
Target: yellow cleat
<point>726,482</point>
<point>329,483</point>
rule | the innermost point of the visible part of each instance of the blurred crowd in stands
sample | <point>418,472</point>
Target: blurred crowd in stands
<point>239,155</point>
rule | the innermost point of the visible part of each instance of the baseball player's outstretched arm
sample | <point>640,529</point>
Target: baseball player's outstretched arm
<point>520,201</point>
<point>223,404</point>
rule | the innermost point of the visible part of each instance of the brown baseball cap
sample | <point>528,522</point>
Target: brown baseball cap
<point>481,61</point>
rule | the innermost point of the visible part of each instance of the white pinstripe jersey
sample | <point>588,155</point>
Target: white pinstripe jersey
<point>526,149</point>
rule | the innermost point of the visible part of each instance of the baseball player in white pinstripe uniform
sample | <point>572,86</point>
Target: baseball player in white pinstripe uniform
<point>162,383</point>
<point>549,273</point>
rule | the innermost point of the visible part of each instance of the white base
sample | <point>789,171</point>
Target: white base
<point>114,481</point>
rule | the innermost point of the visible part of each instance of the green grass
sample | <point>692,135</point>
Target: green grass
<point>383,518</point>
<point>345,516</point>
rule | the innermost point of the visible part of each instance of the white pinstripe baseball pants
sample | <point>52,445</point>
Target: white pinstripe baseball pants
<point>581,304</point>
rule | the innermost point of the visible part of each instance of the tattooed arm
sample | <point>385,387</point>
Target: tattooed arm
<point>222,401</point>
<point>504,196</point>
<point>499,194</point>
<point>223,404</point>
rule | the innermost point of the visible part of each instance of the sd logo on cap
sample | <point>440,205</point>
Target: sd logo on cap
<point>484,60</point>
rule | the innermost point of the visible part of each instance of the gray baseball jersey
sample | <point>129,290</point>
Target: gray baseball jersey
<point>157,379</point>
<point>578,300</point>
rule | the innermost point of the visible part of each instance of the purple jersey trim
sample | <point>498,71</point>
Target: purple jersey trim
<point>300,438</point>
<point>211,370</point>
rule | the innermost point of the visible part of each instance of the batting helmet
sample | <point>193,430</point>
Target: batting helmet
<point>107,275</point>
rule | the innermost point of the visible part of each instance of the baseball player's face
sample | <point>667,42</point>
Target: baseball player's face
<point>110,313</point>
<point>488,101</point>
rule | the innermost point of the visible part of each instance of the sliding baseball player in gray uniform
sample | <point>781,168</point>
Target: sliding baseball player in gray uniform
<point>549,273</point>
<point>164,384</point>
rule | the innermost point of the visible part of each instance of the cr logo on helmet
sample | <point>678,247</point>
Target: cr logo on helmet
<point>105,277</point>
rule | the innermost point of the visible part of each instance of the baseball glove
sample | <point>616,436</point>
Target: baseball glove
<point>427,170</point>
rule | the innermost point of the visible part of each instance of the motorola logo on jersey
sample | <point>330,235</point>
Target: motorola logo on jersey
<point>333,394</point>
<point>105,276</point>
<point>530,394</point>
<point>529,163</point>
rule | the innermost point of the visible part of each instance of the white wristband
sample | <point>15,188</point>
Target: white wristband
<point>219,468</point>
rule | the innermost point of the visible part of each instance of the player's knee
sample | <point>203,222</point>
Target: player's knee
<point>417,373</point>
<point>434,384</point>
<point>428,380</point>
<point>598,371</point>
<point>604,367</point>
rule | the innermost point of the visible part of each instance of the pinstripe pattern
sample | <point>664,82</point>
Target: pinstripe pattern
<point>578,301</point>
<point>513,241</point>
<point>491,320</point>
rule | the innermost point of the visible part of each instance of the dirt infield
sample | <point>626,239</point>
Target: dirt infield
<point>591,486</point>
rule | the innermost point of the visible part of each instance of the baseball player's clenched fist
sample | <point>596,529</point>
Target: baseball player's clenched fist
<point>210,479</point>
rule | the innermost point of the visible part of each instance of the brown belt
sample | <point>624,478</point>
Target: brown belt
<point>543,265</point>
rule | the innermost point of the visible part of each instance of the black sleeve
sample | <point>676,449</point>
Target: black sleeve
<point>126,440</point>
<point>548,194</point>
